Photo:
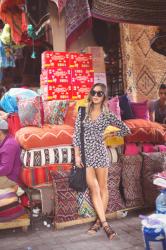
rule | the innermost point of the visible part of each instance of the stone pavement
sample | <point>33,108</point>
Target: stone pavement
<point>76,237</point>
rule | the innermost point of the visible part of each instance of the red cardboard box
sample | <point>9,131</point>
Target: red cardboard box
<point>81,60</point>
<point>51,59</point>
<point>82,76</point>
<point>56,75</point>
<point>57,91</point>
<point>80,91</point>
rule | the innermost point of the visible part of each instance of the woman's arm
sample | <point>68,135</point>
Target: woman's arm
<point>124,130</point>
<point>77,140</point>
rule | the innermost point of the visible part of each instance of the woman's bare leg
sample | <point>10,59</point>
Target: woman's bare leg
<point>95,193</point>
<point>102,177</point>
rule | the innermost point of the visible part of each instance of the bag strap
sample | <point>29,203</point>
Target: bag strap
<point>82,109</point>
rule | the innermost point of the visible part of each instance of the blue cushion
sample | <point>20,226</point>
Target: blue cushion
<point>125,107</point>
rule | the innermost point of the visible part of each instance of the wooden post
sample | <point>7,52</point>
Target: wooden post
<point>58,28</point>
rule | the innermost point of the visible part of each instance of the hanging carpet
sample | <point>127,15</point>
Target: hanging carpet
<point>134,11</point>
<point>78,19</point>
<point>143,69</point>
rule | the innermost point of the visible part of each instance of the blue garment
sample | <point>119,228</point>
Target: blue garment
<point>6,56</point>
<point>9,100</point>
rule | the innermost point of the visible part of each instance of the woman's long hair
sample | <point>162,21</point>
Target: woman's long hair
<point>104,106</point>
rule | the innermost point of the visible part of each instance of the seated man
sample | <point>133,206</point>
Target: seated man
<point>10,164</point>
<point>157,108</point>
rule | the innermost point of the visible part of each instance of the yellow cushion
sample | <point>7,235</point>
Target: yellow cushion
<point>81,103</point>
<point>113,141</point>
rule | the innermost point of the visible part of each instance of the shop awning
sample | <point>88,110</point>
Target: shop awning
<point>150,12</point>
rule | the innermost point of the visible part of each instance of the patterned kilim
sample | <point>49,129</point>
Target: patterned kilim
<point>85,206</point>
<point>66,208</point>
<point>134,11</point>
<point>144,70</point>
<point>78,19</point>
<point>47,156</point>
<point>131,180</point>
<point>114,176</point>
<point>152,163</point>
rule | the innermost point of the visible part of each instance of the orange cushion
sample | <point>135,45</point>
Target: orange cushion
<point>47,136</point>
<point>145,131</point>
<point>71,114</point>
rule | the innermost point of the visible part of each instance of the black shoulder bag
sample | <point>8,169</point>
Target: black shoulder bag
<point>77,177</point>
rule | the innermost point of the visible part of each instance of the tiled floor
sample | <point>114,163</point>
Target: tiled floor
<point>39,237</point>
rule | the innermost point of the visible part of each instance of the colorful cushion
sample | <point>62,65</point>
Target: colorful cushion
<point>85,206</point>
<point>66,207</point>
<point>145,131</point>
<point>152,163</point>
<point>125,107</point>
<point>32,177</point>
<point>47,136</point>
<point>161,148</point>
<point>132,149</point>
<point>81,103</point>
<point>7,196</point>
<point>9,207</point>
<point>55,111</point>
<point>115,202</point>
<point>29,111</point>
<point>149,147</point>
<point>113,105</point>
<point>71,114</point>
<point>140,110</point>
<point>12,213</point>
<point>47,156</point>
<point>131,180</point>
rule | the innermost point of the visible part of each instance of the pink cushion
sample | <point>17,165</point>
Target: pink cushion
<point>148,148</point>
<point>161,148</point>
<point>113,105</point>
<point>131,149</point>
<point>140,110</point>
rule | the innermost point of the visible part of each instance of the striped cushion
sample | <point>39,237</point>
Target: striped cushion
<point>41,175</point>
<point>7,196</point>
<point>44,156</point>
<point>9,206</point>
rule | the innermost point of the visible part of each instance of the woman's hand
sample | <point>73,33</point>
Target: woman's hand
<point>78,162</point>
<point>109,135</point>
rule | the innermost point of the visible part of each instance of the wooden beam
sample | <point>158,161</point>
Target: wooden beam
<point>58,27</point>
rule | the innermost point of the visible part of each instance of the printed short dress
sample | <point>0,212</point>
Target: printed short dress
<point>96,154</point>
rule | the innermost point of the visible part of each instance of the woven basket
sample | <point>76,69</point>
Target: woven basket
<point>133,11</point>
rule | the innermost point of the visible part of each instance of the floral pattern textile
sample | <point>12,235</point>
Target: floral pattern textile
<point>55,111</point>
<point>30,112</point>
<point>96,154</point>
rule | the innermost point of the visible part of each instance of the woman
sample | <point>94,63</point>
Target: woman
<point>97,118</point>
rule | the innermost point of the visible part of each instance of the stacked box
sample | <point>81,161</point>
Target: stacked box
<point>66,75</point>
<point>53,59</point>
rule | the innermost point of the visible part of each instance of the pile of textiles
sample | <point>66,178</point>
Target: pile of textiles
<point>10,208</point>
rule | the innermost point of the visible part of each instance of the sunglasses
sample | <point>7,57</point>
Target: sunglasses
<point>98,93</point>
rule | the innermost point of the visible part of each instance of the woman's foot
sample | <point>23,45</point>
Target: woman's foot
<point>95,227</point>
<point>109,231</point>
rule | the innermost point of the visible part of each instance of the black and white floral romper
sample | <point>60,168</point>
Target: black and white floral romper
<point>96,154</point>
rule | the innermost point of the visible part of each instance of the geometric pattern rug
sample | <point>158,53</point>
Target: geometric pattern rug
<point>144,69</point>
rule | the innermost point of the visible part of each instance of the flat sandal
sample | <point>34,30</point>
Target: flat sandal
<point>109,232</point>
<point>95,227</point>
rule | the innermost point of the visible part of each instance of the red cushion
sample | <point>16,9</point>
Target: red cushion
<point>47,136</point>
<point>32,177</point>
<point>145,131</point>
